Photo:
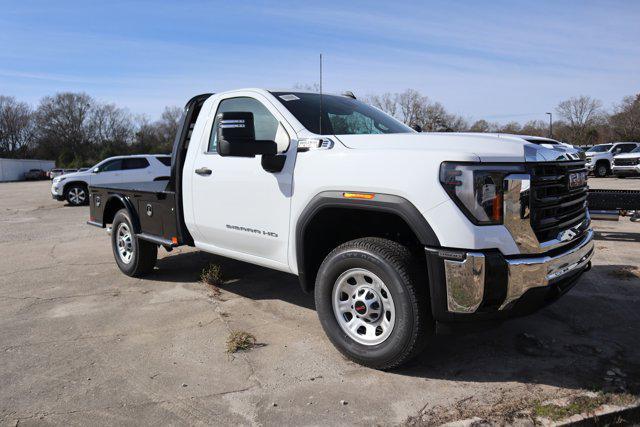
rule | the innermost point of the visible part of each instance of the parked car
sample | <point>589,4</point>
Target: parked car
<point>600,157</point>
<point>74,187</point>
<point>55,172</point>
<point>627,164</point>
<point>35,174</point>
<point>394,231</point>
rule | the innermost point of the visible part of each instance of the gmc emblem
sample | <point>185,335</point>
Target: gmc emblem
<point>578,179</point>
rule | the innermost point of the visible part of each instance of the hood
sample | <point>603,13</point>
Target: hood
<point>486,147</point>
<point>627,156</point>
<point>72,175</point>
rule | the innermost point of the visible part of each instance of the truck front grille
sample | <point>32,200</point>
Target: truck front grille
<point>554,205</point>
<point>626,162</point>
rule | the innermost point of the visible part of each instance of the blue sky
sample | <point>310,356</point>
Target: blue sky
<point>500,60</point>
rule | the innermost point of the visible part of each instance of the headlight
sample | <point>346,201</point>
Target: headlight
<point>59,179</point>
<point>477,189</point>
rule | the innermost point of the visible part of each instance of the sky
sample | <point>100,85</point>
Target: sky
<point>497,60</point>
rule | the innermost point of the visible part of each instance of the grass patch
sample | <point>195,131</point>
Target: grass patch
<point>626,272</point>
<point>212,275</point>
<point>240,340</point>
<point>580,405</point>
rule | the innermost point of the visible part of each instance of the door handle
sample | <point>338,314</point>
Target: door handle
<point>203,171</point>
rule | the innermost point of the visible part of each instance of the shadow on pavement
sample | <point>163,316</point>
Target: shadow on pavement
<point>616,236</point>
<point>571,344</point>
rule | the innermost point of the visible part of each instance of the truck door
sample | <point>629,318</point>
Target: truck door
<point>241,210</point>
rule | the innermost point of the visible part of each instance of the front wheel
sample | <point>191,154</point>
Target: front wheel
<point>602,170</point>
<point>135,257</point>
<point>371,300</point>
<point>77,195</point>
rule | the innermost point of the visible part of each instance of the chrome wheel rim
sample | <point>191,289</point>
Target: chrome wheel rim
<point>124,242</point>
<point>77,195</point>
<point>363,306</point>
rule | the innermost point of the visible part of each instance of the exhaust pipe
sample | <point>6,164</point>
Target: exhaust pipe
<point>605,215</point>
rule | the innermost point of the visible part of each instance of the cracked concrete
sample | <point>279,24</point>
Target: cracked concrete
<point>80,343</point>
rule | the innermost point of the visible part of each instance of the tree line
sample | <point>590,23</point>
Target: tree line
<point>581,120</point>
<point>76,130</point>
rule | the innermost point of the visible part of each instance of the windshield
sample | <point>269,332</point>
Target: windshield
<point>600,148</point>
<point>636,150</point>
<point>340,115</point>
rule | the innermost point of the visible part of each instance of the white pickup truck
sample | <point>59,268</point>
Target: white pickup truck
<point>394,231</point>
<point>600,157</point>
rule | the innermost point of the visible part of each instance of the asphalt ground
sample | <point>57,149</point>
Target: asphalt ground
<point>80,343</point>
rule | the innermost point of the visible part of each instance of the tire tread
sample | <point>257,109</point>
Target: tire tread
<point>404,263</point>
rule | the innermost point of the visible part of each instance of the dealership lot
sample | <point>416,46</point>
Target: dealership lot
<point>81,343</point>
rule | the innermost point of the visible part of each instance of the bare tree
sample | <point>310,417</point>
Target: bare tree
<point>168,127</point>
<point>16,127</point>
<point>435,118</point>
<point>535,128</point>
<point>387,102</point>
<point>581,115</point>
<point>625,122</point>
<point>480,126</point>
<point>412,106</point>
<point>111,130</point>
<point>64,127</point>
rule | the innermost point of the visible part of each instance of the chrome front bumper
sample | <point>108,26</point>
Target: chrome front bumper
<point>626,168</point>
<point>465,278</point>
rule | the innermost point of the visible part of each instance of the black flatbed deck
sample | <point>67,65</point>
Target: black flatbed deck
<point>151,206</point>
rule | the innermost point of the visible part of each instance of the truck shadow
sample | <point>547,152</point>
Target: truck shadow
<point>573,343</point>
<point>240,278</point>
<point>617,236</point>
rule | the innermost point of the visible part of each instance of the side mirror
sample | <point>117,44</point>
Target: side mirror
<point>96,170</point>
<point>417,128</point>
<point>237,137</point>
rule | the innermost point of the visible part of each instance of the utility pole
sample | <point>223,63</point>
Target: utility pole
<point>550,125</point>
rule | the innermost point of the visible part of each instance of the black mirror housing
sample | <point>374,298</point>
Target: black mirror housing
<point>417,128</point>
<point>236,136</point>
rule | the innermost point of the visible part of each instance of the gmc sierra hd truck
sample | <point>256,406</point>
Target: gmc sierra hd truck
<point>394,231</point>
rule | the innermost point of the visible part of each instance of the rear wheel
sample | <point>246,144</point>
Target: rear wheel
<point>135,257</point>
<point>77,195</point>
<point>371,300</point>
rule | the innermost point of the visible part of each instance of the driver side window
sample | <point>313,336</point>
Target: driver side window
<point>266,125</point>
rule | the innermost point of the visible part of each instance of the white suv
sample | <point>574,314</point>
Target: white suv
<point>600,157</point>
<point>74,187</point>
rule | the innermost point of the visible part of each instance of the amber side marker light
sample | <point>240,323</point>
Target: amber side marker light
<point>362,196</point>
<point>174,240</point>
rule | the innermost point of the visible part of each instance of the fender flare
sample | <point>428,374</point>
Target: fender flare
<point>66,185</point>
<point>387,203</point>
<point>133,214</point>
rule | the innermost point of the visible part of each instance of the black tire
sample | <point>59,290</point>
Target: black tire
<point>143,254</point>
<point>407,283</point>
<point>77,194</point>
<point>602,170</point>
